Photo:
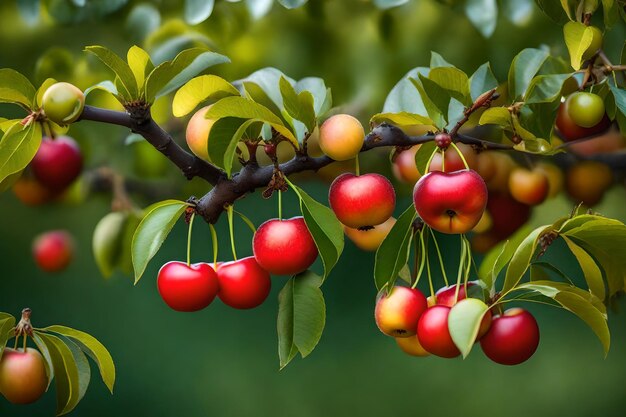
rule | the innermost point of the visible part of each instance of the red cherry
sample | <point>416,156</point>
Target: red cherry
<point>243,283</point>
<point>443,140</point>
<point>507,215</point>
<point>571,131</point>
<point>57,163</point>
<point>284,247</point>
<point>362,201</point>
<point>397,314</point>
<point>433,332</point>
<point>187,287</point>
<point>23,377</point>
<point>445,295</point>
<point>451,202</point>
<point>513,337</point>
<point>53,251</point>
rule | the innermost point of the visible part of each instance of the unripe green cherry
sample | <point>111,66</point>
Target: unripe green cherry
<point>585,109</point>
<point>63,103</point>
<point>596,43</point>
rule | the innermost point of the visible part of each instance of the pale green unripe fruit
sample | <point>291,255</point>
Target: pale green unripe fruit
<point>63,103</point>
<point>585,109</point>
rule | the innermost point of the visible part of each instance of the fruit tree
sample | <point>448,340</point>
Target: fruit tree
<point>447,181</point>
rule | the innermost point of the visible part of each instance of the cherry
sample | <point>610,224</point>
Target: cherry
<point>187,287</point>
<point>31,193</point>
<point>284,247</point>
<point>397,314</point>
<point>587,181</point>
<point>507,215</point>
<point>513,337</point>
<point>411,346</point>
<point>433,332</point>
<point>197,133</point>
<point>450,202</point>
<point>569,130</point>
<point>443,140</point>
<point>341,137</point>
<point>23,377</point>
<point>57,163</point>
<point>445,296</point>
<point>370,239</point>
<point>585,109</point>
<point>63,103</point>
<point>53,251</point>
<point>529,186</point>
<point>243,283</point>
<point>362,201</point>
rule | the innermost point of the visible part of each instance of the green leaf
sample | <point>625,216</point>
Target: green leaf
<point>554,10</point>
<point>464,322</point>
<point>7,322</point>
<point>520,260</point>
<point>199,90</point>
<point>224,136</point>
<point>496,116</point>
<point>483,14</point>
<point>298,105</point>
<point>141,65</point>
<point>401,119</point>
<point>571,298</point>
<point>197,11</point>
<point>120,68</point>
<point>18,148</point>
<point>15,88</point>
<point>591,271</point>
<point>152,232</point>
<point>454,81</point>
<point>497,258</point>
<point>29,11</point>
<point>545,88</point>
<point>322,97</point>
<point>170,75</point>
<point>432,109</point>
<point>524,67</point>
<point>436,61</point>
<point>482,80</point>
<point>326,230</point>
<point>620,98</point>
<point>92,347</point>
<point>301,316</point>
<point>244,108</point>
<point>66,373</point>
<point>393,252</point>
<point>42,90</point>
<point>436,94</point>
<point>45,352</point>
<point>84,371</point>
<point>403,96</point>
<point>578,38</point>
<point>423,154</point>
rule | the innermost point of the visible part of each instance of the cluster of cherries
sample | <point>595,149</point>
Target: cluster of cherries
<point>281,247</point>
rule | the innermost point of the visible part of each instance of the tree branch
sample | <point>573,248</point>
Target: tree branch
<point>190,165</point>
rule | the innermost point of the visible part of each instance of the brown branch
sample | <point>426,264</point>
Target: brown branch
<point>190,165</point>
<point>484,100</point>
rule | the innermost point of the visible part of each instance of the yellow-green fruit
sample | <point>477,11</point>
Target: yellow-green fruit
<point>107,241</point>
<point>341,137</point>
<point>596,43</point>
<point>197,134</point>
<point>411,346</point>
<point>63,103</point>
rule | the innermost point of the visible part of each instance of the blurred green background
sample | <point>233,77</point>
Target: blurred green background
<point>224,362</point>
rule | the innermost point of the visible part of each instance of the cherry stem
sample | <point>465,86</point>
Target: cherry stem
<point>214,243</point>
<point>430,278</point>
<point>25,342</point>
<point>443,160</point>
<point>443,269</point>
<point>427,169</point>
<point>357,166</point>
<point>456,148</point>
<point>422,254</point>
<point>460,271</point>
<point>229,212</point>
<point>280,205</point>
<point>193,215</point>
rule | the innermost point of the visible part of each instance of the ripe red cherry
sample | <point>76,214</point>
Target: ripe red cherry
<point>53,251</point>
<point>433,332</point>
<point>397,314</point>
<point>443,140</point>
<point>187,287</point>
<point>362,201</point>
<point>23,377</point>
<point>451,202</point>
<point>243,283</point>
<point>284,247</point>
<point>513,337</point>
<point>57,163</point>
